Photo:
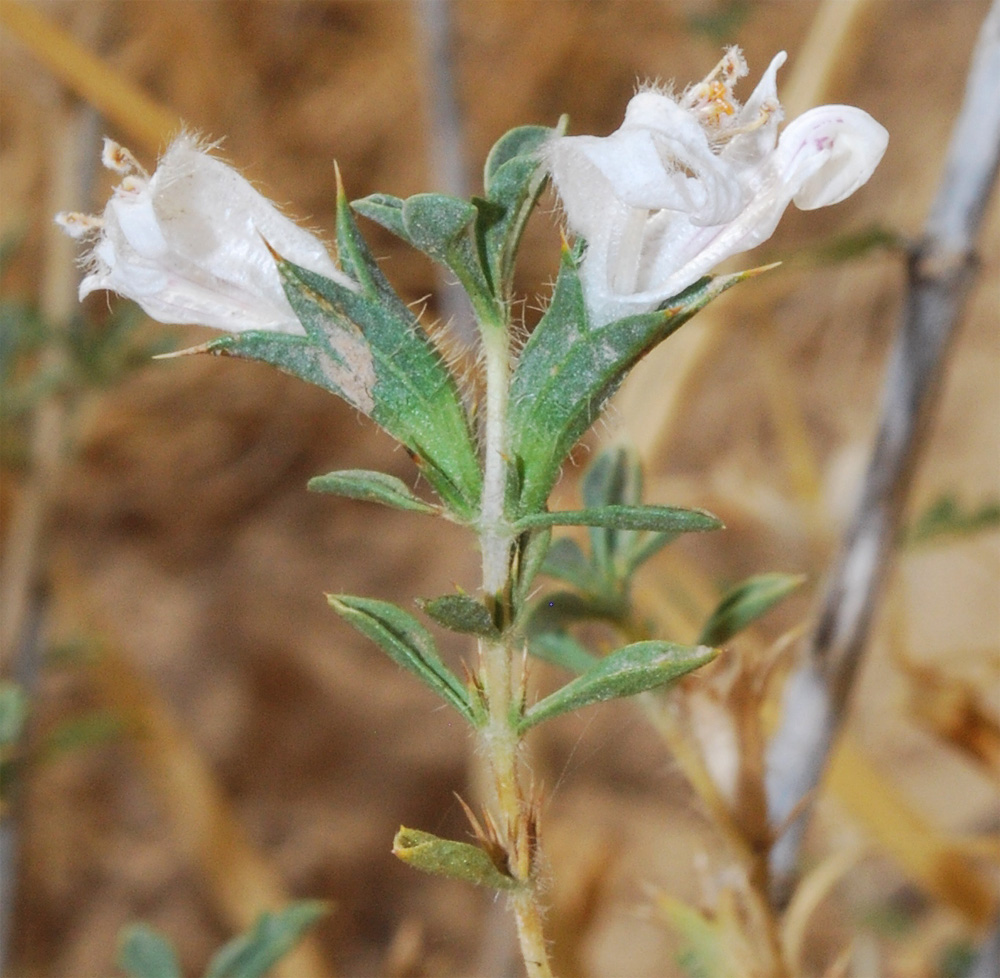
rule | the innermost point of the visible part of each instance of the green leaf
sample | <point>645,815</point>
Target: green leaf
<point>13,712</point>
<point>461,613</point>
<point>704,952</point>
<point>386,210</point>
<point>626,672</point>
<point>647,545</point>
<point>440,226</point>
<point>434,222</point>
<point>569,368</point>
<point>614,478</point>
<point>145,953</point>
<point>407,643</point>
<point>513,179</point>
<point>373,487</point>
<point>557,610</point>
<point>444,857</point>
<point>669,519</point>
<point>745,603</point>
<point>89,730</point>
<point>946,517</point>
<point>565,561</point>
<point>253,954</point>
<point>415,396</point>
<point>532,548</point>
<point>561,649</point>
<point>366,346</point>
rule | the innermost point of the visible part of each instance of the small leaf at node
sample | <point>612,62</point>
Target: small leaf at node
<point>513,179</point>
<point>745,603</point>
<point>434,221</point>
<point>461,613</point>
<point>373,487</point>
<point>444,857</point>
<point>145,953</point>
<point>407,643</point>
<point>253,954</point>
<point>626,672</point>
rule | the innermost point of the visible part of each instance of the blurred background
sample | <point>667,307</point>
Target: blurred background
<point>206,735</point>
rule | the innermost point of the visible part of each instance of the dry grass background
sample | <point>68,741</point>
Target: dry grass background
<point>203,560</point>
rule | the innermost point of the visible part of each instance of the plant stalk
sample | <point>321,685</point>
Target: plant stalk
<point>500,740</point>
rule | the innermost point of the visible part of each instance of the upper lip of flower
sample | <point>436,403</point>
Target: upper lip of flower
<point>689,180</point>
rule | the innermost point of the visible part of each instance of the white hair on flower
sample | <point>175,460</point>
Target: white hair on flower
<point>192,243</point>
<point>689,180</point>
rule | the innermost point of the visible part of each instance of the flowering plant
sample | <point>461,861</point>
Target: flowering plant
<point>684,183</point>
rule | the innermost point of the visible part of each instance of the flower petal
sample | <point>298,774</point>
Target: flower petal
<point>828,152</point>
<point>190,244</point>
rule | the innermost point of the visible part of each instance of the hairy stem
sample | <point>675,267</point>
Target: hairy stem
<point>498,659</point>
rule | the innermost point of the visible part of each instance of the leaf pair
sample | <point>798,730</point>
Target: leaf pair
<point>477,240</point>
<point>633,669</point>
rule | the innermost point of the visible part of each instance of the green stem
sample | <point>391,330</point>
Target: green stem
<point>500,740</point>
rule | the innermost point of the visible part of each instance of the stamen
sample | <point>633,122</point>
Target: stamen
<point>77,225</point>
<point>132,185</point>
<point>712,98</point>
<point>116,157</point>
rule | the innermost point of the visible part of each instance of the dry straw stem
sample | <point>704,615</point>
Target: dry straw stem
<point>650,402</point>
<point>25,536</point>
<point>25,541</point>
<point>815,887</point>
<point>145,121</point>
<point>242,882</point>
<point>939,866</point>
<point>941,272</point>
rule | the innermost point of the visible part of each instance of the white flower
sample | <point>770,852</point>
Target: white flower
<point>690,180</point>
<point>188,243</point>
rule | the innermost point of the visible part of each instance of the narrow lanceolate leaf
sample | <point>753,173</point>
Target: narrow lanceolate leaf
<point>253,954</point>
<point>745,603</point>
<point>513,179</point>
<point>444,857</point>
<point>461,613</point>
<point>569,368</point>
<point>626,672</point>
<point>407,643</point>
<point>669,519</point>
<point>373,487</point>
<point>145,953</point>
